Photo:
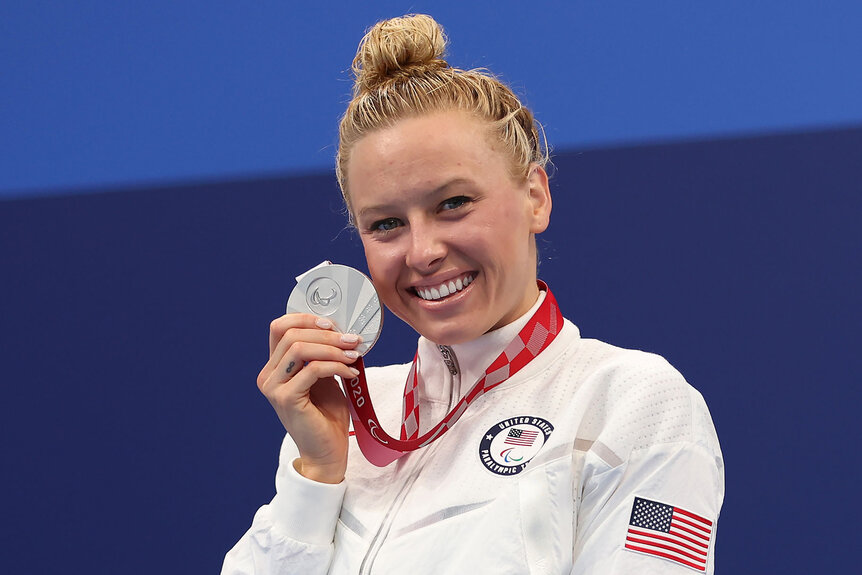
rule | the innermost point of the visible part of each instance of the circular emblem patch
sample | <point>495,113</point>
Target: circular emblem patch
<point>507,447</point>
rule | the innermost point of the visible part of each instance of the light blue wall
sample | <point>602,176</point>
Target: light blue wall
<point>104,94</point>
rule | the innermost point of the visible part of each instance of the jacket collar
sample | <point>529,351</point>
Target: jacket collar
<point>436,380</point>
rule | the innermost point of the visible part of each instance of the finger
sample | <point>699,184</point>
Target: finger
<point>279,370</point>
<point>304,352</point>
<point>297,388</point>
<point>318,336</point>
<point>302,346</point>
<point>280,325</point>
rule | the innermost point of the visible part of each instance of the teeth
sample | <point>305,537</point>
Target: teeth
<point>444,289</point>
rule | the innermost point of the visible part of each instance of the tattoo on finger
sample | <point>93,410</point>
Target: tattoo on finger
<point>290,366</point>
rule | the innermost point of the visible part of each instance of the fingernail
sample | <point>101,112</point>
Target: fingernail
<point>349,337</point>
<point>351,354</point>
<point>354,370</point>
<point>323,323</point>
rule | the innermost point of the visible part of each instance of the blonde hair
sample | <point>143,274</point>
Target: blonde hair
<point>400,73</point>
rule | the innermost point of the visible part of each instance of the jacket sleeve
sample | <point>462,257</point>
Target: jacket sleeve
<point>294,532</point>
<point>652,484</point>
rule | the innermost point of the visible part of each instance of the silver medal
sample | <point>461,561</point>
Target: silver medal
<point>343,295</point>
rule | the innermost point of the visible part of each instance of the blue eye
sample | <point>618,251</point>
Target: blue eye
<point>386,225</point>
<point>454,203</point>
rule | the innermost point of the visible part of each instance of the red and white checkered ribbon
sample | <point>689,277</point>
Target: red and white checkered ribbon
<point>381,449</point>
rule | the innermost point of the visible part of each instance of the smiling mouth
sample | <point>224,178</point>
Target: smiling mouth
<point>445,289</point>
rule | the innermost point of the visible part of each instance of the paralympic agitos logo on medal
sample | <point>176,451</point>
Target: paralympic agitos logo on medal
<point>508,446</point>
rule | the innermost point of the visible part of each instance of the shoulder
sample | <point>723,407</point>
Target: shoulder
<point>638,400</point>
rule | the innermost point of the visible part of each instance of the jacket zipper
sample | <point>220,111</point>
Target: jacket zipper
<point>451,361</point>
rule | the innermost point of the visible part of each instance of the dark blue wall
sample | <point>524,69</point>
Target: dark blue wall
<point>134,439</point>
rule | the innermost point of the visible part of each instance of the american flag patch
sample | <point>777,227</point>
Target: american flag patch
<point>524,437</point>
<point>670,533</point>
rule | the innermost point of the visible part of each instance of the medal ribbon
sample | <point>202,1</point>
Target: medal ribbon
<point>381,449</point>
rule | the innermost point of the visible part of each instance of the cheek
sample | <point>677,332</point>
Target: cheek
<point>500,232</point>
<point>517,233</point>
<point>382,262</point>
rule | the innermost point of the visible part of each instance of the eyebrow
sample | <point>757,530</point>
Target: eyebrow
<point>383,208</point>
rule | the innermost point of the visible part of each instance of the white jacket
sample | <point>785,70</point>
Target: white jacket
<point>625,425</point>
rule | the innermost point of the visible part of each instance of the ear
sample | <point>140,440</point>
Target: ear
<point>540,199</point>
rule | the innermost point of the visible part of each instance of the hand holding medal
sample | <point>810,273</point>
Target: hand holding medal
<point>307,350</point>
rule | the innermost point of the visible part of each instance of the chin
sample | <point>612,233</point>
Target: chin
<point>447,334</point>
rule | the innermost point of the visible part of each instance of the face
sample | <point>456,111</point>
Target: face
<point>449,234</point>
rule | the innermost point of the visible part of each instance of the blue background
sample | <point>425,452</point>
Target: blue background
<point>159,163</point>
<point>98,94</point>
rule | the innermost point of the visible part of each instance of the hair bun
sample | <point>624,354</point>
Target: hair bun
<point>398,47</point>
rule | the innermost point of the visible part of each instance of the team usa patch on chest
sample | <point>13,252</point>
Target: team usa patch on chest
<point>669,532</point>
<point>508,446</point>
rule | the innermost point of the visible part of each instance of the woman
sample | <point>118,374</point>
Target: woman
<point>572,456</point>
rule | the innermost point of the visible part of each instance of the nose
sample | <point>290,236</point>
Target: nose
<point>427,247</point>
